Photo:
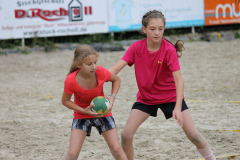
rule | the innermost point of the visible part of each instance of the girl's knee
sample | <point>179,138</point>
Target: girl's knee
<point>126,136</point>
<point>116,149</point>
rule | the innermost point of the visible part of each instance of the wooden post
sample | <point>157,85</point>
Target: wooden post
<point>193,30</point>
<point>23,43</point>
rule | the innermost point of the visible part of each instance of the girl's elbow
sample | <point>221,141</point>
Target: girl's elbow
<point>118,79</point>
<point>64,102</point>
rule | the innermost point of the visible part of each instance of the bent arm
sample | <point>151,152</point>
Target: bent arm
<point>115,87</point>
<point>115,83</point>
<point>66,101</point>
<point>118,67</point>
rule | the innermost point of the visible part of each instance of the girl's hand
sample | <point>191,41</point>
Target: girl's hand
<point>89,111</point>
<point>177,114</point>
<point>111,100</point>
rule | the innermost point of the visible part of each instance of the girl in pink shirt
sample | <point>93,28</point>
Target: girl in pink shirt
<point>159,82</point>
<point>85,80</point>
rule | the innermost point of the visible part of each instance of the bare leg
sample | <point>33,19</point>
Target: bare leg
<point>76,141</point>
<point>195,137</point>
<point>111,138</point>
<point>191,132</point>
<point>135,119</point>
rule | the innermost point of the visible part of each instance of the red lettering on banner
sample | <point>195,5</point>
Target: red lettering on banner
<point>63,12</point>
<point>43,14</point>
<point>20,13</point>
<point>55,12</point>
<point>7,28</point>
<point>47,14</point>
<point>88,10</point>
<point>85,9</point>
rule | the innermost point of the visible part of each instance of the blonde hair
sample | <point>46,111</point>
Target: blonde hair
<point>80,54</point>
<point>179,45</point>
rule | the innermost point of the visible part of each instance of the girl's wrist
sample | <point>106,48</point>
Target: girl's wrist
<point>113,96</point>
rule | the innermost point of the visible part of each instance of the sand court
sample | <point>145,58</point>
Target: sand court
<point>35,125</point>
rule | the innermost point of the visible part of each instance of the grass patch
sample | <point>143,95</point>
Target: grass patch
<point>237,34</point>
<point>3,53</point>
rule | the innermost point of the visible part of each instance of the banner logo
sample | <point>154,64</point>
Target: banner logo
<point>75,12</point>
<point>224,8</point>
<point>222,12</point>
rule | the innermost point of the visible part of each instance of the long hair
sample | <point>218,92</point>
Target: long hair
<point>80,54</point>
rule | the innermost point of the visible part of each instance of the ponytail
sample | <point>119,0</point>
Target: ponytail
<point>179,45</point>
<point>73,68</point>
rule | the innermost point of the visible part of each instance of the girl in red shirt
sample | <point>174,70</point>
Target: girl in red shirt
<point>85,80</point>
<point>159,82</point>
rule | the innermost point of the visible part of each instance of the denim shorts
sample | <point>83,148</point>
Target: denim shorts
<point>167,108</point>
<point>102,124</point>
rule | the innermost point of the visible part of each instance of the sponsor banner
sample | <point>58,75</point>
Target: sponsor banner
<point>127,14</point>
<point>45,18</point>
<point>218,12</point>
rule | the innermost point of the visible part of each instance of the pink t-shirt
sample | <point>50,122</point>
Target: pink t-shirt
<point>83,97</point>
<point>153,71</point>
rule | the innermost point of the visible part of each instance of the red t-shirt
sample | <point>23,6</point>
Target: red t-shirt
<point>83,97</point>
<point>153,71</point>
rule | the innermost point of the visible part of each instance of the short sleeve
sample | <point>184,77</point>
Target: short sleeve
<point>68,86</point>
<point>107,74</point>
<point>129,55</point>
<point>103,74</point>
<point>172,60</point>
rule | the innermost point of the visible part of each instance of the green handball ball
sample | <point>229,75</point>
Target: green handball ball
<point>101,105</point>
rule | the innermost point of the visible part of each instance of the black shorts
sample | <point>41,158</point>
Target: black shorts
<point>167,108</point>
